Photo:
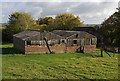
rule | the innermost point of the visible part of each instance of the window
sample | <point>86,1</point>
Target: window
<point>87,41</point>
<point>77,36</point>
<point>28,42</point>
<point>91,41</point>
<point>63,41</point>
<point>58,41</point>
<point>74,41</point>
<point>94,41</point>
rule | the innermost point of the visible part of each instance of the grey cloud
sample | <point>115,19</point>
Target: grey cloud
<point>53,8</point>
<point>89,12</point>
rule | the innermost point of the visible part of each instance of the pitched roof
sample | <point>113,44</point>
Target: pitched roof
<point>67,34</point>
<point>84,29</point>
<point>90,30</point>
<point>27,34</point>
<point>63,33</point>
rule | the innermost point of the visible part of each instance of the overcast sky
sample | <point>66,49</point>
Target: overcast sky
<point>91,12</point>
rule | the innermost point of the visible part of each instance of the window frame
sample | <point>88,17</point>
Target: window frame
<point>76,41</point>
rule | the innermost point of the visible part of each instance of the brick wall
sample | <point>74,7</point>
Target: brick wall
<point>36,49</point>
<point>58,48</point>
<point>90,48</point>
<point>72,49</point>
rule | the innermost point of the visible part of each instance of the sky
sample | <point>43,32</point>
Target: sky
<point>89,11</point>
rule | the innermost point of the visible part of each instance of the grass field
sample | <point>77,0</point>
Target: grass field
<point>57,66</point>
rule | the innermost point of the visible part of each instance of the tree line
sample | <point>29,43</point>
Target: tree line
<point>19,22</point>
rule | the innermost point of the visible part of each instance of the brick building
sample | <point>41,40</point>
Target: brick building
<point>92,31</point>
<point>59,41</point>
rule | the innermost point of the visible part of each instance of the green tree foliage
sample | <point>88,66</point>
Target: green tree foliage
<point>117,24</point>
<point>65,22</point>
<point>61,22</point>
<point>18,22</point>
<point>46,20</point>
<point>97,27</point>
<point>110,29</point>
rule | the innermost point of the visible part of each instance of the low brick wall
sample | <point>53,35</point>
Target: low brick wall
<point>58,48</point>
<point>90,48</point>
<point>72,49</point>
<point>35,49</point>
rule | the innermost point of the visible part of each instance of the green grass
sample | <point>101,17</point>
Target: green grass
<point>57,66</point>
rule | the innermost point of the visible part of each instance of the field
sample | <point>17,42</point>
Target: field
<point>57,66</point>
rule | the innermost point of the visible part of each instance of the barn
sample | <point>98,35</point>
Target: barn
<point>57,41</point>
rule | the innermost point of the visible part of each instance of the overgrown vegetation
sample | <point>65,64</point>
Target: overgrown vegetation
<point>110,30</point>
<point>58,66</point>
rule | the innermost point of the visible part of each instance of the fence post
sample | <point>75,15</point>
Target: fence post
<point>101,52</point>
